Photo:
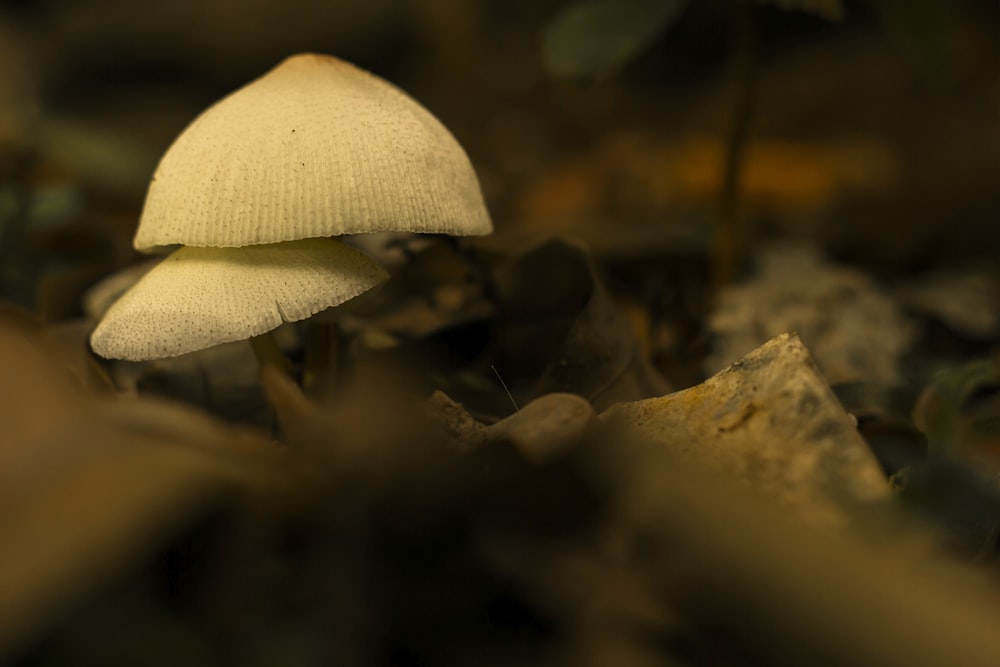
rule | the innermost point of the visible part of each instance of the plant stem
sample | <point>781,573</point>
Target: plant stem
<point>729,234</point>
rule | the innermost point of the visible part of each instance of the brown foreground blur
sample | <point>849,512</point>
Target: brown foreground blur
<point>384,531</point>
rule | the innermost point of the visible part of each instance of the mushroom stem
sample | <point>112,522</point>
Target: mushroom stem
<point>266,349</point>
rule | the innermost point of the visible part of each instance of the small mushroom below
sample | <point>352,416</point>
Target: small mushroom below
<point>200,297</point>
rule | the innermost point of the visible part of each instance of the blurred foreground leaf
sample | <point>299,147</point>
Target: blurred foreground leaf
<point>593,37</point>
<point>782,594</point>
<point>88,485</point>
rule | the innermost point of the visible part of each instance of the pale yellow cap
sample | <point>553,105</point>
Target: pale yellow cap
<point>315,147</point>
<point>199,297</point>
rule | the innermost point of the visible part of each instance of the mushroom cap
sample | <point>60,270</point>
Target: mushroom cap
<point>314,147</point>
<point>199,297</point>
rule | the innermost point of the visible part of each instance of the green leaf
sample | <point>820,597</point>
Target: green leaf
<point>922,27</point>
<point>831,10</point>
<point>959,411</point>
<point>593,37</point>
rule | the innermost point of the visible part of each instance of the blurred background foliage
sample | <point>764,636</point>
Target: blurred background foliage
<point>860,105</point>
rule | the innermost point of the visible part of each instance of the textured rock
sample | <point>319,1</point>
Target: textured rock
<point>772,421</point>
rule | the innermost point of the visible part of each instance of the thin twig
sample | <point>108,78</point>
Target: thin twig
<point>504,385</point>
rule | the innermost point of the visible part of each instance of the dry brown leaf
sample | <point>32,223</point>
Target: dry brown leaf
<point>853,329</point>
<point>964,299</point>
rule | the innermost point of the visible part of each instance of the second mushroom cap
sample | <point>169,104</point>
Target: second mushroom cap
<point>200,297</point>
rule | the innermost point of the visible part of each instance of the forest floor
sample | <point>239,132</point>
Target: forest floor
<point>575,441</point>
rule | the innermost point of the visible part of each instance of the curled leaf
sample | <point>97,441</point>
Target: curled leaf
<point>561,326</point>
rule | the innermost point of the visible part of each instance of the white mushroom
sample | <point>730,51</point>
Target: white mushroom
<point>314,147</point>
<point>200,297</point>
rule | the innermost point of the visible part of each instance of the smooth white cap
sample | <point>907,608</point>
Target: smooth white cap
<point>199,297</point>
<point>315,147</point>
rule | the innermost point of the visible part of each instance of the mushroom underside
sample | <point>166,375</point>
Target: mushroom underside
<point>200,297</point>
